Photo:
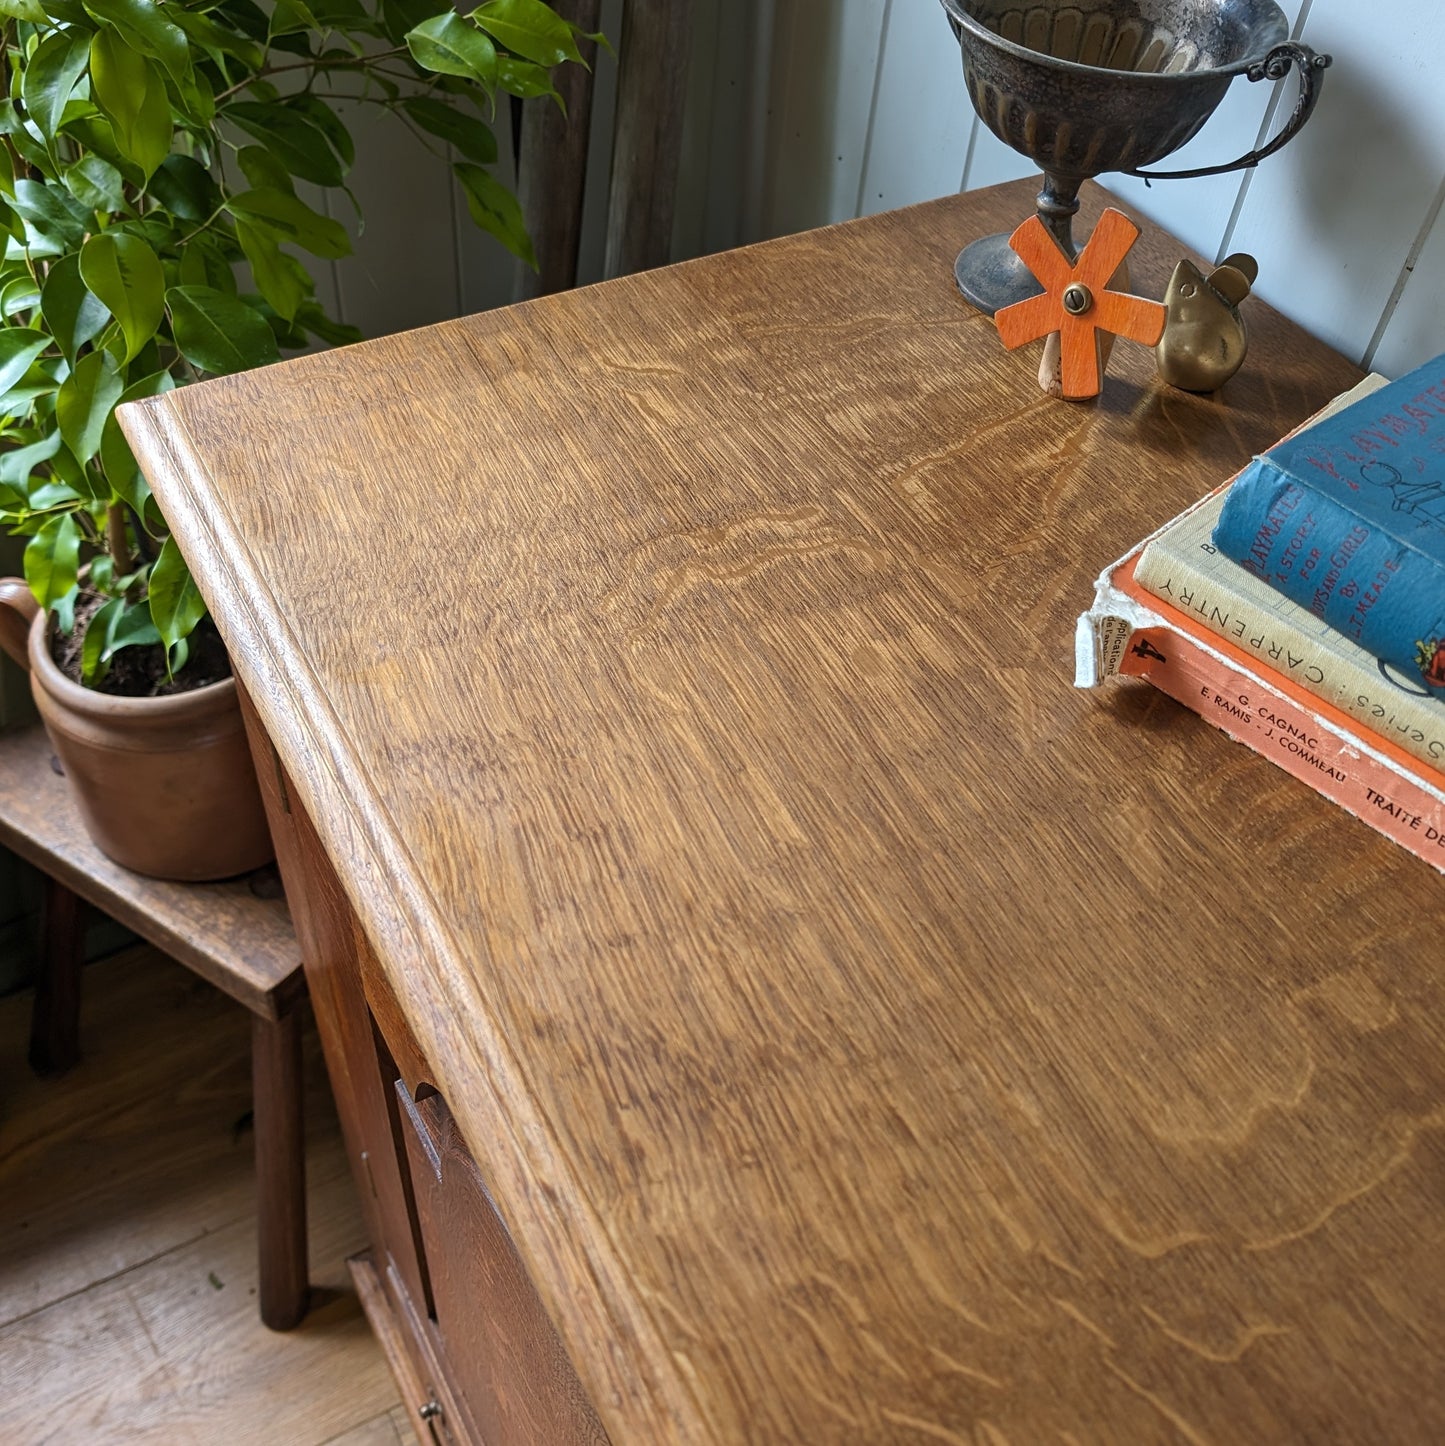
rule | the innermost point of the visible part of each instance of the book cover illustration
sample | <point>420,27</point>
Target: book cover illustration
<point>1347,518</point>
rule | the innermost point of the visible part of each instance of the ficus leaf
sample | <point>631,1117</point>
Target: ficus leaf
<point>327,121</point>
<point>472,137</point>
<point>175,601</point>
<point>217,333</point>
<point>291,219</point>
<point>52,559</point>
<point>289,16</point>
<point>102,572</point>
<point>132,93</point>
<point>193,96</point>
<point>122,471</point>
<point>20,293</point>
<point>95,133</point>
<point>185,188</point>
<point>156,230</point>
<point>145,28</point>
<point>72,312</point>
<point>494,208</point>
<point>25,137</point>
<point>97,635</point>
<point>67,480</point>
<point>280,278</point>
<point>19,346</point>
<point>399,16</point>
<point>51,212</point>
<point>263,170</point>
<point>192,270</point>
<point>334,333</point>
<point>52,493</point>
<point>204,264</point>
<point>296,141</point>
<point>126,275</point>
<point>522,78</point>
<point>530,29</point>
<point>86,398</point>
<point>41,379</point>
<point>134,628</point>
<point>96,184</point>
<point>116,625</point>
<point>246,16</point>
<point>289,335</point>
<point>50,75</point>
<point>16,466</point>
<point>219,41</point>
<point>343,15</point>
<point>117,77</point>
<point>449,45</point>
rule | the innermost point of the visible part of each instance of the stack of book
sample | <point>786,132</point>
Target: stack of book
<point>1301,607</point>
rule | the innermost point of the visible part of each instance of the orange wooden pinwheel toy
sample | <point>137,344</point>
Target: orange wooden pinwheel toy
<point>1076,301</point>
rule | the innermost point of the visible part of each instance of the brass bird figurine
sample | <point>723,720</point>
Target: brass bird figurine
<point>1204,338</point>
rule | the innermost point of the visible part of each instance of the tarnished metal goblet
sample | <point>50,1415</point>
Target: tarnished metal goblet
<point>1088,86</point>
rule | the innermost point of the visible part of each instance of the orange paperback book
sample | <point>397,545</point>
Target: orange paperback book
<point>1130,632</point>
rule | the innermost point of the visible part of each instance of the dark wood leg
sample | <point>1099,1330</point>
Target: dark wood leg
<point>55,1020</point>
<point>280,1169</point>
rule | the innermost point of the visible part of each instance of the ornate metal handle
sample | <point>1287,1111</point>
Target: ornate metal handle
<point>1275,66</point>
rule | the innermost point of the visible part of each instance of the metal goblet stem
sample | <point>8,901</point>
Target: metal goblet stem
<point>991,275</point>
<point>1109,85</point>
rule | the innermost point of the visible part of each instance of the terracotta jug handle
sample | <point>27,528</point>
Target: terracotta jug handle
<point>17,611</point>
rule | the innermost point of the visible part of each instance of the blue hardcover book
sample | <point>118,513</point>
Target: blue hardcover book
<point>1347,518</point>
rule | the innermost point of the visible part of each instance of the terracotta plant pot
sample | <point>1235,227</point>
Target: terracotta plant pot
<point>165,786</point>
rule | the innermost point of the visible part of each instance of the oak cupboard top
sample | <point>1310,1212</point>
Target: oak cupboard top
<point>865,1035</point>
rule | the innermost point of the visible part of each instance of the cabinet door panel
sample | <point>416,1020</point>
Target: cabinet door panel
<point>505,1357</point>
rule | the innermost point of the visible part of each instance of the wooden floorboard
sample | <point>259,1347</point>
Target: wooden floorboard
<point>128,1245</point>
<point>391,1429</point>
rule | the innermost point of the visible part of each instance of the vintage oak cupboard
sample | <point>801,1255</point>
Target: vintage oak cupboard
<point>765,1001</point>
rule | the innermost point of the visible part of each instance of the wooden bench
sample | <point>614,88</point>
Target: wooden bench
<point>241,943</point>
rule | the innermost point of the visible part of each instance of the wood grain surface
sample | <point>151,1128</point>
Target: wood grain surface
<point>516,1377</point>
<point>864,1035</point>
<point>144,1132</point>
<point>128,1237</point>
<point>231,936</point>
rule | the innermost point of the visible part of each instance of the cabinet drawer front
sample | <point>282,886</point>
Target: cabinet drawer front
<point>504,1354</point>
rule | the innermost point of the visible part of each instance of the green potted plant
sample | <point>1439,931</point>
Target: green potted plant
<point>148,160</point>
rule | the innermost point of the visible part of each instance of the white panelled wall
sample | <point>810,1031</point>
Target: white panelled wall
<point>805,112</point>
